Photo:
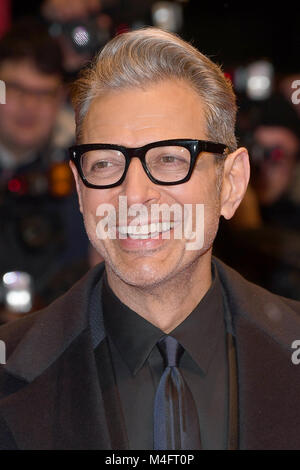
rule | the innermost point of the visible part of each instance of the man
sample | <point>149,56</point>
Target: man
<point>31,68</point>
<point>38,207</point>
<point>160,347</point>
<point>271,129</point>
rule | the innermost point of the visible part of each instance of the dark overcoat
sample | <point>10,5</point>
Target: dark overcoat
<point>53,395</point>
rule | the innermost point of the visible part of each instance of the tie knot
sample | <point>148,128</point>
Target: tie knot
<point>170,350</point>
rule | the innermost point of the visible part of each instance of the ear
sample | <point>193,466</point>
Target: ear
<point>235,181</point>
<point>77,181</point>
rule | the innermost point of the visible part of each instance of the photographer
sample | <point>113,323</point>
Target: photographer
<point>37,200</point>
<point>266,227</point>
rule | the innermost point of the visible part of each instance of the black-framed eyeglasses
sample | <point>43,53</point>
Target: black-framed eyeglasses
<point>166,162</point>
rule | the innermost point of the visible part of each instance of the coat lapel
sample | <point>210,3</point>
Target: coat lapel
<point>111,398</point>
<point>63,407</point>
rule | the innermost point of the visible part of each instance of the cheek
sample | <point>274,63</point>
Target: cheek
<point>47,114</point>
<point>205,219</point>
<point>89,211</point>
<point>206,193</point>
<point>90,202</point>
<point>8,111</point>
<point>95,201</point>
<point>198,190</point>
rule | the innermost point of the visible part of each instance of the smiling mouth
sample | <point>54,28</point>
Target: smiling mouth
<point>143,232</point>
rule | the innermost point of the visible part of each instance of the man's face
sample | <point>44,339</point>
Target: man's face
<point>274,175</point>
<point>133,118</point>
<point>32,102</point>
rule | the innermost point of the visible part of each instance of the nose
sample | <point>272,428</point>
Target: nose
<point>30,101</point>
<point>137,187</point>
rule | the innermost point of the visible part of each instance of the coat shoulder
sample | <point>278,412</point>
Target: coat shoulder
<point>65,314</point>
<point>278,317</point>
<point>11,333</point>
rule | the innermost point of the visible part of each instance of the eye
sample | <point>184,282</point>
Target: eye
<point>172,159</point>
<point>168,158</point>
<point>101,164</point>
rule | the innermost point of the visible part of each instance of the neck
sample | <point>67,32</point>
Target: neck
<point>168,304</point>
<point>19,152</point>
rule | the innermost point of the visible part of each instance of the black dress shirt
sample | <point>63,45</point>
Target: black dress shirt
<point>138,365</point>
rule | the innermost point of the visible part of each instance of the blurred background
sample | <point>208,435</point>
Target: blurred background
<point>43,45</point>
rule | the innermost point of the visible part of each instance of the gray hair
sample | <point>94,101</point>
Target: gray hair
<point>150,55</point>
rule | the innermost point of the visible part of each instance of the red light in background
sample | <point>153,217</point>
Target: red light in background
<point>229,75</point>
<point>5,16</point>
<point>277,155</point>
<point>17,186</point>
<point>14,185</point>
<point>122,28</point>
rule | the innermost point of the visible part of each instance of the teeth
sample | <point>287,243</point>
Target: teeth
<point>165,226</point>
<point>153,228</point>
<point>138,237</point>
<point>143,231</point>
<point>122,230</point>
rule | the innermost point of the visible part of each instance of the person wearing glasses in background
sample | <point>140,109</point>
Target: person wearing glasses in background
<point>38,202</point>
<point>162,346</point>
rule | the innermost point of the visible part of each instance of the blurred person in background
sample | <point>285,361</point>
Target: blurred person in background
<point>275,150</point>
<point>80,28</point>
<point>30,66</point>
<point>289,85</point>
<point>83,26</point>
<point>38,207</point>
<point>266,226</point>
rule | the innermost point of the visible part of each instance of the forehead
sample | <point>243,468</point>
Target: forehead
<point>135,116</point>
<point>25,73</point>
<point>277,135</point>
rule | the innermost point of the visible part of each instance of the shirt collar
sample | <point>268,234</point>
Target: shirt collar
<point>200,332</point>
<point>135,337</point>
